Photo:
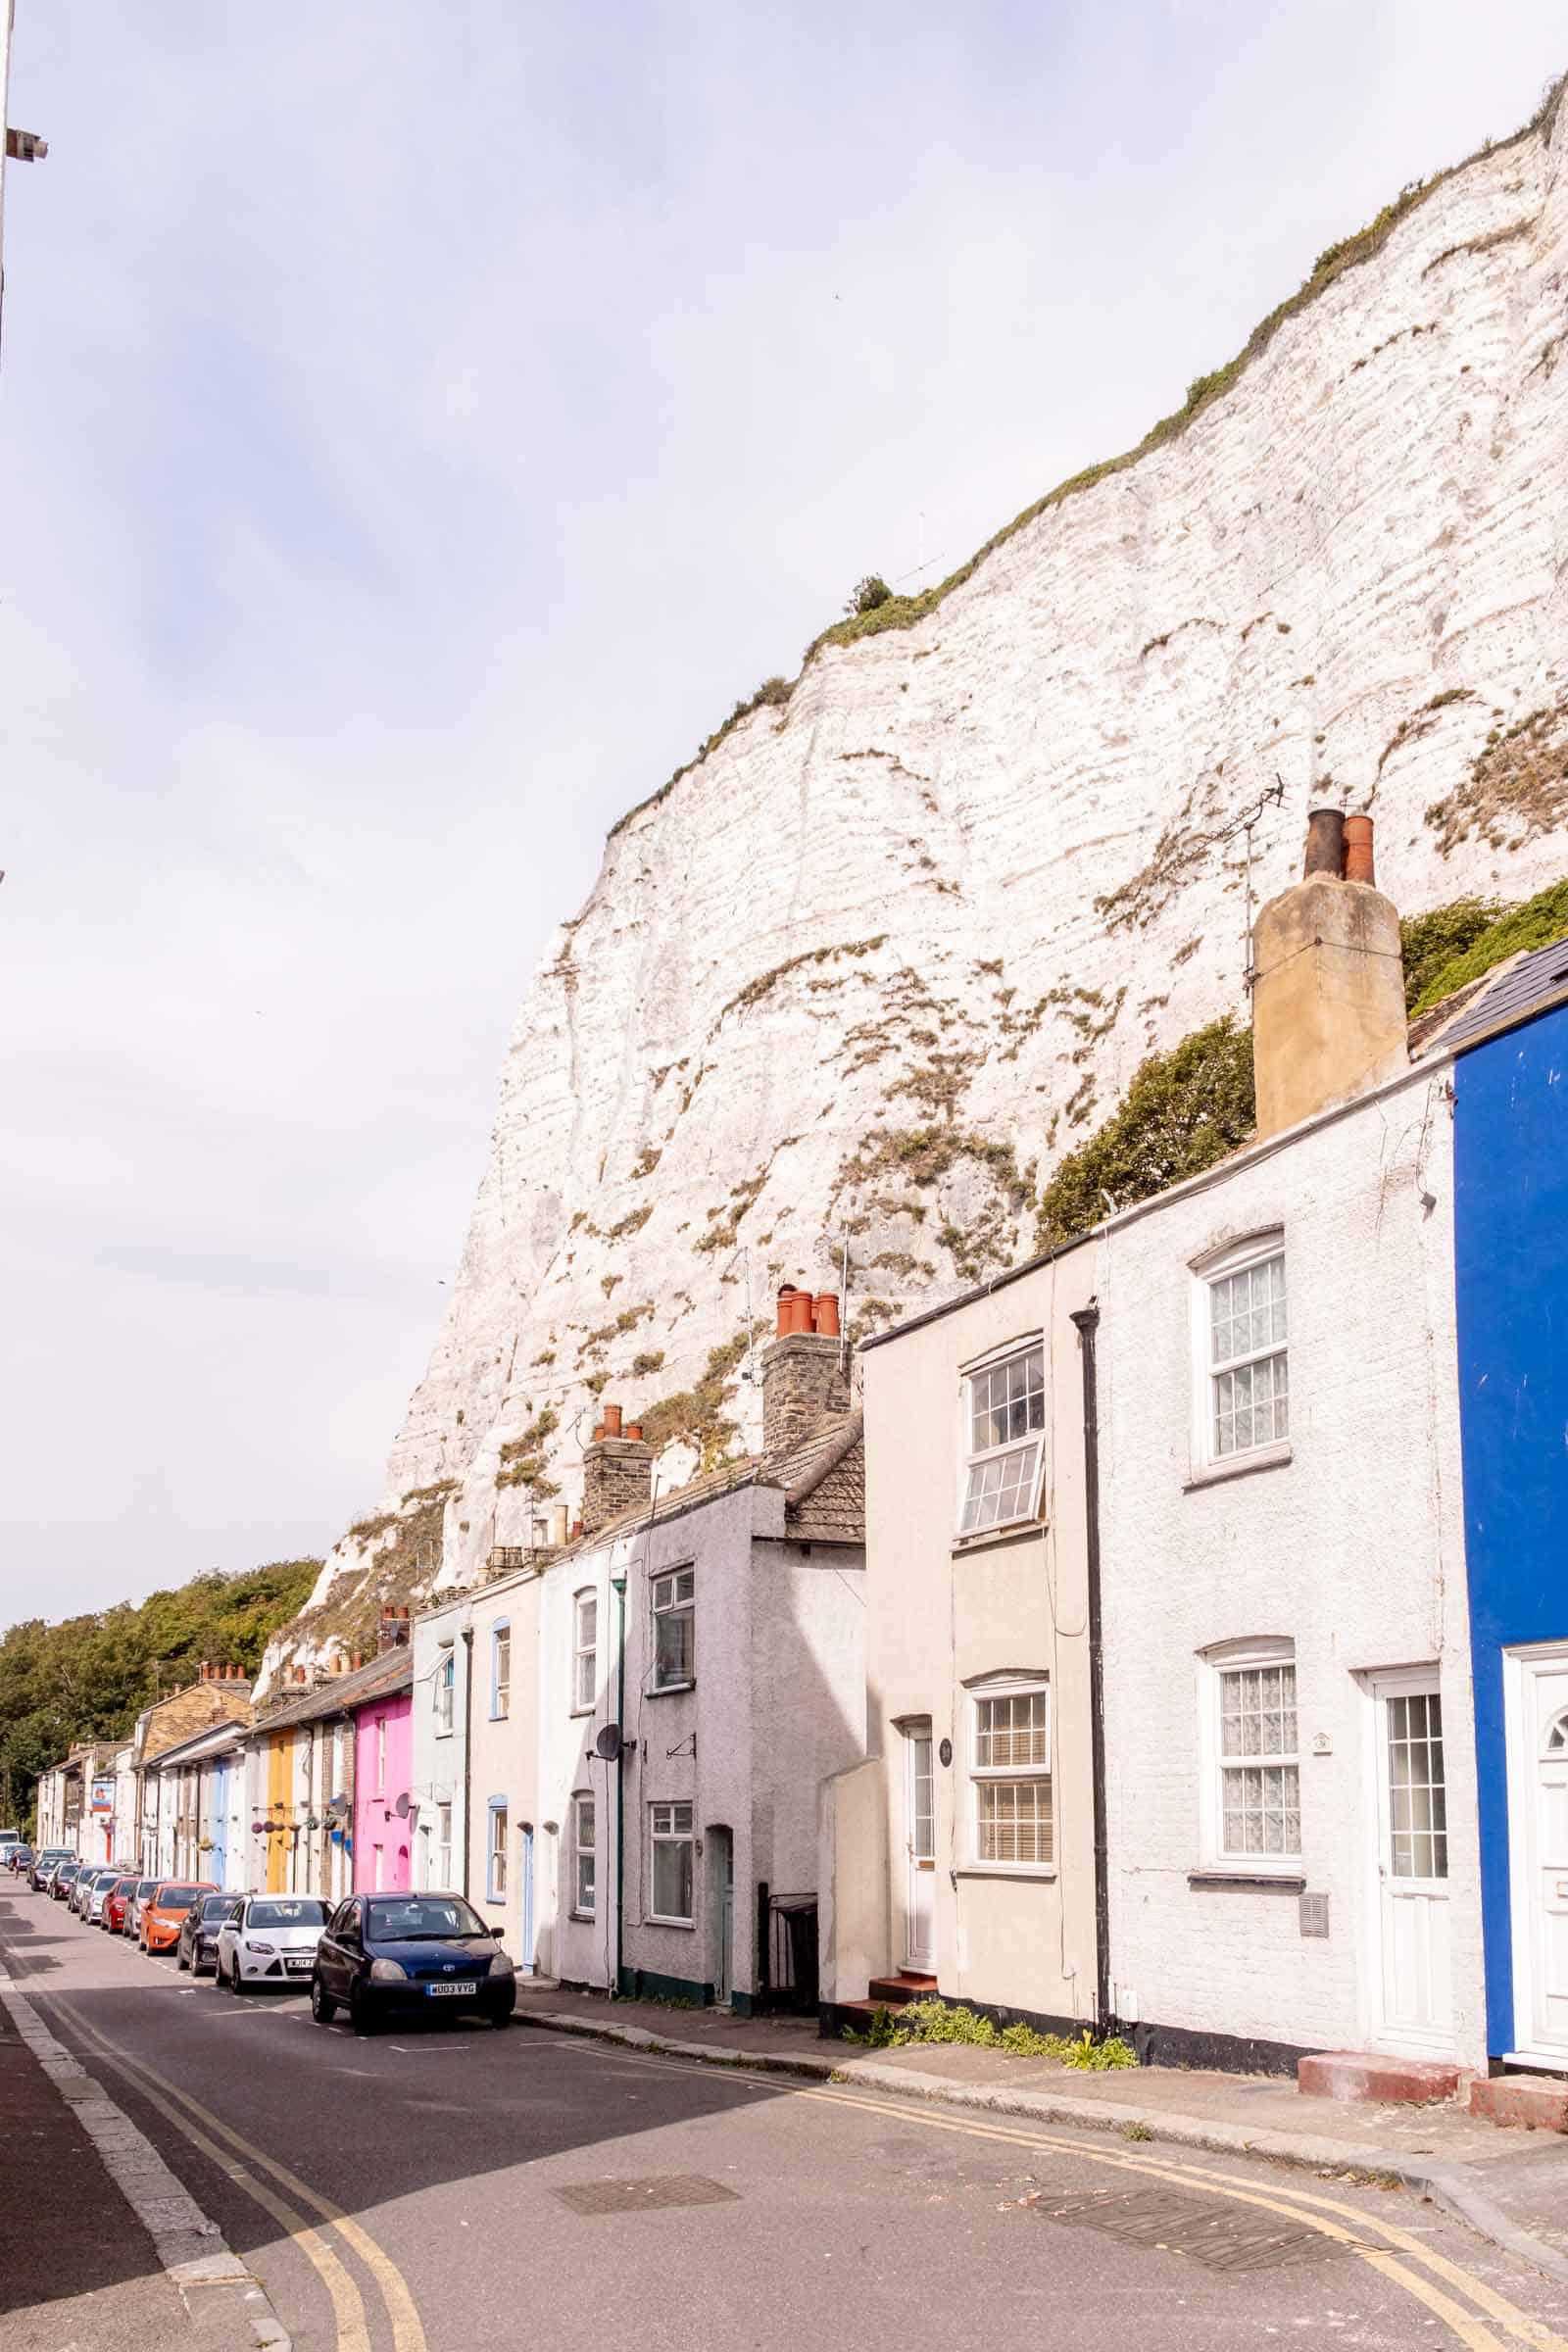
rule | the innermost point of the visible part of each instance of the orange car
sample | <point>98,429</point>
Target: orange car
<point>162,1918</point>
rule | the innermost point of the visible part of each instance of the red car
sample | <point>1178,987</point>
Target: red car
<point>115,1903</point>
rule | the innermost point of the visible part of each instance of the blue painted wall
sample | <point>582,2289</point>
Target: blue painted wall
<point>1512,1272</point>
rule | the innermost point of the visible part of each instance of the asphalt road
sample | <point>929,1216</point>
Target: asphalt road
<point>453,2189</point>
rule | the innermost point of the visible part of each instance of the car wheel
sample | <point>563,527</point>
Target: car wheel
<point>361,2015</point>
<point>323,2006</point>
<point>236,1983</point>
<point>181,1963</point>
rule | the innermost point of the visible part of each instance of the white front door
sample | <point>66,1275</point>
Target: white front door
<point>1537,1815</point>
<point>920,1814</point>
<point>1413,1995</point>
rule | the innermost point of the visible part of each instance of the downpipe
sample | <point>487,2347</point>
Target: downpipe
<point>1087,1321</point>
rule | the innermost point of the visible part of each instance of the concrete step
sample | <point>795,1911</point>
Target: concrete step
<point>892,1991</point>
<point>1538,2103</point>
<point>1374,2075</point>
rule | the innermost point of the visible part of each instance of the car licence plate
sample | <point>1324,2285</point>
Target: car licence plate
<point>300,1967</point>
<point>436,1991</point>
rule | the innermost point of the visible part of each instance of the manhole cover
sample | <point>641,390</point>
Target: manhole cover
<point>1222,2237</point>
<point>655,2194</point>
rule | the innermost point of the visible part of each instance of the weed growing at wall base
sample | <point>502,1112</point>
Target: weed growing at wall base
<point>950,2021</point>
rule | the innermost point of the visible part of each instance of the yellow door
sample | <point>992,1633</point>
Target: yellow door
<point>279,1751</point>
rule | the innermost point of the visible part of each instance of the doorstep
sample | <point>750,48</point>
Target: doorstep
<point>1373,2075</point>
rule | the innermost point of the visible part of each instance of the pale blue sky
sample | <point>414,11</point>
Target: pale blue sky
<point>417,428</point>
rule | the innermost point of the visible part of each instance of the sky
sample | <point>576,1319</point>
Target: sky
<point>417,426</point>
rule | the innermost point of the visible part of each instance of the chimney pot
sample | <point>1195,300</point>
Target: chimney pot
<point>558,1523</point>
<point>576,1529</point>
<point>611,1420</point>
<point>826,1313</point>
<point>786,1292</point>
<point>800,1312</point>
<point>1325,843</point>
<point>1358,866</point>
<point>634,1431</point>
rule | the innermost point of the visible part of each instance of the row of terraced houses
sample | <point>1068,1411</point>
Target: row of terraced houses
<point>1169,1635</point>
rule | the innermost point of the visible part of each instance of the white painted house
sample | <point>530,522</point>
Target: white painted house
<point>1168,1643</point>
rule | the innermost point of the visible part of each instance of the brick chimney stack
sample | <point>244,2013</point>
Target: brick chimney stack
<point>393,1630</point>
<point>804,1372</point>
<point>617,1472</point>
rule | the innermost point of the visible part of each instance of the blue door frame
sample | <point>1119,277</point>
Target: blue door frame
<point>526,1956</point>
<point>220,1824</point>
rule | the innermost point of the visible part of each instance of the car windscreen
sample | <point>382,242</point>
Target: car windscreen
<point>124,1886</point>
<point>219,1906</point>
<point>402,1919</point>
<point>304,1912</point>
<point>177,1898</point>
<point>68,1869</point>
<point>146,1887</point>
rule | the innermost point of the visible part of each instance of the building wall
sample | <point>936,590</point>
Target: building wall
<point>941,1614</point>
<point>1511,1268</point>
<point>439,1760</point>
<point>383,1837</point>
<point>580,1950</point>
<point>506,1762</point>
<point>279,1778</point>
<point>1352,1547</point>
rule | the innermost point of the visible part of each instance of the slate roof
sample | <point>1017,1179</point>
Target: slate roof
<point>823,1480</point>
<point>340,1693</point>
<point>1516,990</point>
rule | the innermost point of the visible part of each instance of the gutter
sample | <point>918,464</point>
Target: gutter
<point>1087,1320</point>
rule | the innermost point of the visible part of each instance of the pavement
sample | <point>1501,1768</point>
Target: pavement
<point>1511,2185</point>
<point>444,2189</point>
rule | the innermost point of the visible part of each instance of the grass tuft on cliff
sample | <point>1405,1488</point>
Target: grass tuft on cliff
<point>1183,1111</point>
<point>1454,945</point>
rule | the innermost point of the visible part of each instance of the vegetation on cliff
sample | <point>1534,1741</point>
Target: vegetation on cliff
<point>89,1677</point>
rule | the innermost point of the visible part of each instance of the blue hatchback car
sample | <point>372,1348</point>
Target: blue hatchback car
<point>385,1956</point>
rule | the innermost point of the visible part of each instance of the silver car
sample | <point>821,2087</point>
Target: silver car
<point>91,1906</point>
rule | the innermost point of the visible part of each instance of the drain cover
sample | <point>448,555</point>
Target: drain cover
<point>1222,2237</point>
<point>656,2194</point>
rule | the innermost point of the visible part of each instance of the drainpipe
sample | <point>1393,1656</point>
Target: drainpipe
<point>1087,1320</point>
<point>468,1752</point>
<point>620,1779</point>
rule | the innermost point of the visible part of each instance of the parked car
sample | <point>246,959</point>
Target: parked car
<point>64,1877</point>
<point>45,1867</point>
<point>116,1903</point>
<point>9,1839</point>
<point>92,1904</point>
<point>146,1888</point>
<point>86,1879</point>
<point>163,1913</point>
<point>270,1941</point>
<point>20,1860</point>
<point>197,1948</point>
<point>385,1956</point>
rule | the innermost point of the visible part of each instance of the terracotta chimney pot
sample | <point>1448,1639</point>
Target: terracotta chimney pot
<point>611,1420</point>
<point>800,1312</point>
<point>827,1313</point>
<point>786,1293</point>
<point>1358,866</point>
<point>634,1430</point>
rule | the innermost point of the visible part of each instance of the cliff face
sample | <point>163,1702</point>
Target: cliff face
<point>893,945</point>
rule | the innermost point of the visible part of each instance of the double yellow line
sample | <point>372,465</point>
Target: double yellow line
<point>1345,2225</point>
<point>254,2176</point>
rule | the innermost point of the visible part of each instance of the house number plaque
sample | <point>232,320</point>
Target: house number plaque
<point>944,1751</point>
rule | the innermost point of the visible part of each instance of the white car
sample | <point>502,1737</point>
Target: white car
<point>270,1941</point>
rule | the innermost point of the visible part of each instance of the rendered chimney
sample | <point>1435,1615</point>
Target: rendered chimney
<point>618,1474</point>
<point>1328,990</point>
<point>557,1522</point>
<point>802,1382</point>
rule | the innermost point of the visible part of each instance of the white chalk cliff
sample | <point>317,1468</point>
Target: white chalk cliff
<point>893,945</point>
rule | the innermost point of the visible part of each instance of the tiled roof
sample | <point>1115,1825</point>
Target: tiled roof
<point>340,1693</point>
<point>827,1472</point>
<point>1518,990</point>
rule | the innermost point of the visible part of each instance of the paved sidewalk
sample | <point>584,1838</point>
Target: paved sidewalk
<point>101,2251</point>
<point>1509,2186</point>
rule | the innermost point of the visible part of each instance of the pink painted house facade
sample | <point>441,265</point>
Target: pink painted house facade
<point>383,1771</point>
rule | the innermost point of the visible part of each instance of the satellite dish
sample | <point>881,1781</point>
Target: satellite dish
<point>401,1808</point>
<point>609,1743</point>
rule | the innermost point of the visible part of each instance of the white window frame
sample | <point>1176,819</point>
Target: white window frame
<point>445,1690</point>
<point>584,1905</point>
<point>972,1457</point>
<point>677,1604</point>
<point>1218,1265</point>
<point>501,1681</point>
<point>443,1846</point>
<point>1012,1685</point>
<point>495,1871</point>
<point>1219,1659</point>
<point>380,1755</point>
<point>668,1834</point>
<point>584,1653</point>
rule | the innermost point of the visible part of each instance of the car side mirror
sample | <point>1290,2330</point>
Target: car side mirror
<point>497,1933</point>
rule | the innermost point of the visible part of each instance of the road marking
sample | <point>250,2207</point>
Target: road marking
<point>1283,2199</point>
<point>408,2333</point>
